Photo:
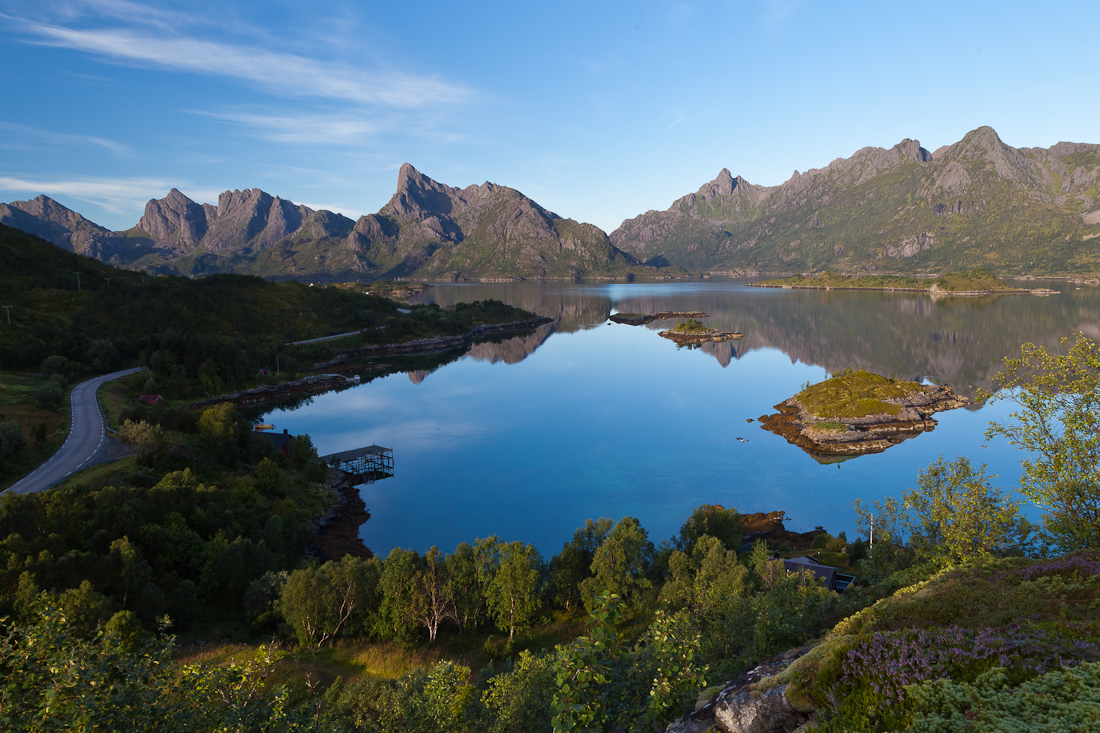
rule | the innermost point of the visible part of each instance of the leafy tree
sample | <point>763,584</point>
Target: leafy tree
<point>218,427</point>
<point>11,439</point>
<point>512,593</point>
<point>580,670</point>
<point>521,700</point>
<point>103,356</point>
<point>433,597</point>
<point>397,616</point>
<point>49,396</point>
<point>149,443</point>
<point>676,642</point>
<point>319,602</point>
<point>960,516</point>
<point>468,596</point>
<point>129,569</point>
<point>707,579</point>
<point>713,520</point>
<point>574,565</point>
<point>620,563</point>
<point>57,365</point>
<point>1058,423</point>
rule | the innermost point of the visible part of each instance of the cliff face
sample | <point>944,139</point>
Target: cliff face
<point>977,203</point>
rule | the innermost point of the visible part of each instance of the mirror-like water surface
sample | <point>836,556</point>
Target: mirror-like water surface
<point>585,418</point>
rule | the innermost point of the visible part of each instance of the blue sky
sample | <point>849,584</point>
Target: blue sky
<point>598,111</point>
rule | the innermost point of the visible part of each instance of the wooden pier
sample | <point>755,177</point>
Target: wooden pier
<point>369,464</point>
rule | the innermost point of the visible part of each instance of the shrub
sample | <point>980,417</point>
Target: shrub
<point>11,439</point>
<point>49,396</point>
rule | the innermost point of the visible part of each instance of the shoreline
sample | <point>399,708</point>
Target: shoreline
<point>929,291</point>
<point>338,529</point>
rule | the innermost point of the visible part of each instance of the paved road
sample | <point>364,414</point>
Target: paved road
<point>87,436</point>
<point>323,338</point>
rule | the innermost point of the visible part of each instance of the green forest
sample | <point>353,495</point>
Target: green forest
<point>178,589</point>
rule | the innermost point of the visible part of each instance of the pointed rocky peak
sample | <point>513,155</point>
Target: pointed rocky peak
<point>984,137</point>
<point>722,185</point>
<point>46,209</point>
<point>419,196</point>
<point>173,215</point>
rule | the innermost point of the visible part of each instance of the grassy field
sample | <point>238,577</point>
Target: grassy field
<point>854,394</point>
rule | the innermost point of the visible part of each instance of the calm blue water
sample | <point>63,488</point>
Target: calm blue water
<point>528,438</point>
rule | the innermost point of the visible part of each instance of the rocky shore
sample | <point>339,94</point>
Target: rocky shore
<point>824,436</point>
<point>711,335</point>
<point>338,529</point>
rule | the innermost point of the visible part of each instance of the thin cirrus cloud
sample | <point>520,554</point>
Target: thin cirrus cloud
<point>25,136</point>
<point>339,129</point>
<point>284,74</point>
<point>117,195</point>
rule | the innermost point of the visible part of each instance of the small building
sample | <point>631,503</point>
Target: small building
<point>834,579</point>
<point>150,399</point>
<point>280,441</point>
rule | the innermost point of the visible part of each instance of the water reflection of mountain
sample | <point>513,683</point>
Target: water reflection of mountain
<point>959,341</point>
<point>510,350</point>
<point>570,306</point>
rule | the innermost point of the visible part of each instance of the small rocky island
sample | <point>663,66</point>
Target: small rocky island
<point>692,331</point>
<point>857,412</point>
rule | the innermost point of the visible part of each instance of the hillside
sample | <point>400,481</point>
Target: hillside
<point>977,203</point>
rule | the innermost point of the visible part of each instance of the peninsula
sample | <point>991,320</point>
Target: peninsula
<point>857,412</point>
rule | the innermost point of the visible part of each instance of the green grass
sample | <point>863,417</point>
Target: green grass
<point>854,394</point>
<point>690,326</point>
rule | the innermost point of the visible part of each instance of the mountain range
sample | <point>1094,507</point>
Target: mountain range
<point>977,203</point>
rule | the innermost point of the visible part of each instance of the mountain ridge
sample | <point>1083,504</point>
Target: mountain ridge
<point>976,203</point>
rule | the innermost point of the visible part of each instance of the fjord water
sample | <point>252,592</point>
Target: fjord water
<point>585,418</point>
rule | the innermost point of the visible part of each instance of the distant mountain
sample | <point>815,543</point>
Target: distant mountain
<point>976,203</point>
<point>427,230</point>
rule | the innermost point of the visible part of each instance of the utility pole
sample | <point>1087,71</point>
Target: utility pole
<point>108,281</point>
<point>8,309</point>
<point>77,281</point>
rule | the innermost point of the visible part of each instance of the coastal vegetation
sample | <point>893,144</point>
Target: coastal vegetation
<point>978,280</point>
<point>962,612</point>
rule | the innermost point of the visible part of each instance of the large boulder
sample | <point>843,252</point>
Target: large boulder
<point>738,708</point>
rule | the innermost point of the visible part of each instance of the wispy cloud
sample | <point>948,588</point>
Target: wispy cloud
<point>282,74</point>
<point>331,129</point>
<point>117,195</point>
<point>12,132</point>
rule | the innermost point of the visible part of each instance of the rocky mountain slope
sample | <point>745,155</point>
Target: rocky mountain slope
<point>976,203</point>
<point>427,229</point>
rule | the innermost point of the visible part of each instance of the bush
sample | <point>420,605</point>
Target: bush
<point>49,396</point>
<point>11,439</point>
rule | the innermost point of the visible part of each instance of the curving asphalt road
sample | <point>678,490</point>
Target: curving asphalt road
<point>87,436</point>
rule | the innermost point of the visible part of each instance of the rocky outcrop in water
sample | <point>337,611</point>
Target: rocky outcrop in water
<point>851,436</point>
